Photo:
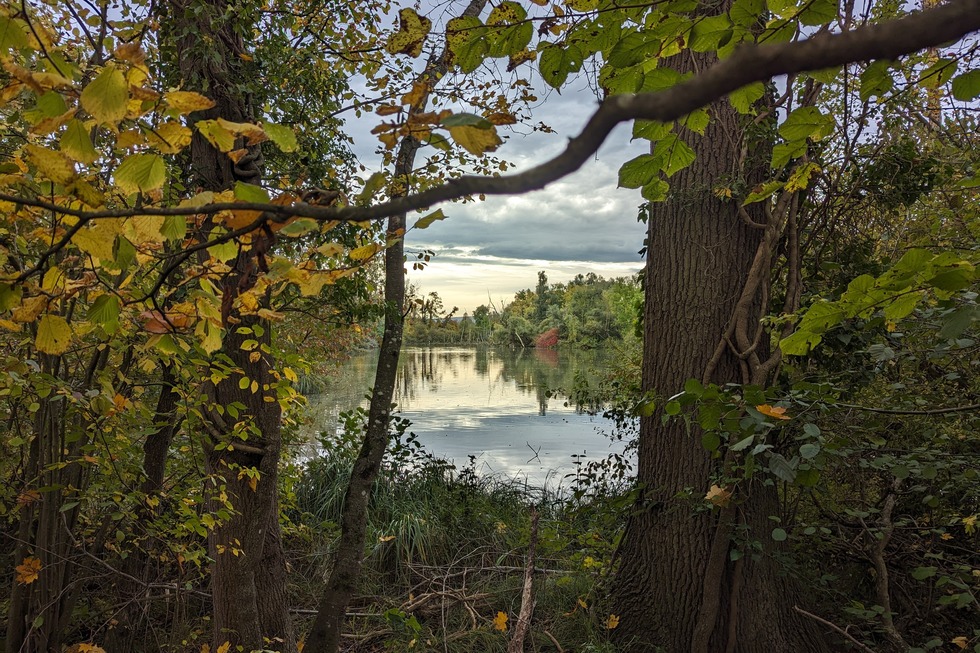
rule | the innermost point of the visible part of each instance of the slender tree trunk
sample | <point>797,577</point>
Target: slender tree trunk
<point>676,589</point>
<point>324,636</point>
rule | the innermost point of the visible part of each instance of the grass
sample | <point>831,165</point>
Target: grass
<point>445,554</point>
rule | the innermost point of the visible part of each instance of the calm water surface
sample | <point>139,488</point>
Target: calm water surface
<point>489,403</point>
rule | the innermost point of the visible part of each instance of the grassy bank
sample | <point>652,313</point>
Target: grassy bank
<point>447,550</point>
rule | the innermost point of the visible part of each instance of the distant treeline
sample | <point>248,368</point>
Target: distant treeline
<point>588,311</point>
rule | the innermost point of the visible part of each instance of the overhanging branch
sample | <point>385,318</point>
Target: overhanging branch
<point>751,63</point>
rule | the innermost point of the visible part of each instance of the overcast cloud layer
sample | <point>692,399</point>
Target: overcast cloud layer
<point>486,251</point>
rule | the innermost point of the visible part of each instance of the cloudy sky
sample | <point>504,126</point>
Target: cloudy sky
<point>486,251</point>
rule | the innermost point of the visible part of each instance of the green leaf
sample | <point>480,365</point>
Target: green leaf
<point>466,43</point>
<point>966,87</point>
<point>781,468</point>
<point>284,137</point>
<point>959,321</point>
<point>779,535</point>
<point>10,296</point>
<point>746,13</point>
<point>466,120</point>
<point>809,450</point>
<point>818,12</point>
<point>250,193</point>
<point>922,573</point>
<point>140,173</point>
<point>708,33</point>
<point>104,311</point>
<point>174,227</point>
<point>107,96</point>
<point>53,335</point>
<point>655,191</point>
<point>674,154</point>
<point>876,80</point>
<point>902,306</point>
<point>13,34</point>
<point>76,143</point>
<point>651,130</point>
<point>744,443</point>
<point>638,172</point>
<point>375,183</point>
<point>938,73</point>
<point>509,32</point>
<point>807,122</point>
<point>424,222</point>
<point>299,227</point>
<point>673,407</point>
<point>710,441</point>
<point>556,62</point>
<point>697,121</point>
<point>743,99</point>
<point>632,48</point>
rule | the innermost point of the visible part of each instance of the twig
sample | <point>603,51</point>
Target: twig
<point>516,644</point>
<point>835,627</point>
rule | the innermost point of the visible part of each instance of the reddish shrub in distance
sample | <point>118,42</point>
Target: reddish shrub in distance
<point>547,339</point>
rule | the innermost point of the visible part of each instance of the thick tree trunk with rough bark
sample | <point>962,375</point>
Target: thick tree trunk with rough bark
<point>248,573</point>
<point>676,588</point>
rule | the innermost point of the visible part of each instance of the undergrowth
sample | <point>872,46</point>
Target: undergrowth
<point>446,551</point>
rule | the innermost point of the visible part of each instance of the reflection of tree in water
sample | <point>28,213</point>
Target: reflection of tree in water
<point>545,371</point>
<point>424,370</point>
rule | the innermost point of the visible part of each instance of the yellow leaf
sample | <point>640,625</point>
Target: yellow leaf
<point>224,648</point>
<point>130,53</point>
<point>420,90</point>
<point>219,136</point>
<point>365,251</point>
<point>146,229</point>
<point>386,538</point>
<point>29,309</point>
<point>961,642</point>
<point>253,134</point>
<point>612,622</point>
<point>970,524</point>
<point>776,412</point>
<point>52,124</point>
<point>187,101</point>
<point>475,140</point>
<point>28,570</point>
<point>95,242</point>
<point>90,648</point>
<point>719,496</point>
<point>500,621</point>
<point>10,325</point>
<point>140,173</point>
<point>412,30</point>
<point>53,165</point>
<point>107,96</point>
<point>53,335</point>
<point>170,137</point>
<point>130,138</point>
<point>253,483</point>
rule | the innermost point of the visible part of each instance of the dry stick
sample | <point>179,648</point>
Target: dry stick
<point>516,644</point>
<point>835,627</point>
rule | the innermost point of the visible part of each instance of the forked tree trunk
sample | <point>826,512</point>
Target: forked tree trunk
<point>676,589</point>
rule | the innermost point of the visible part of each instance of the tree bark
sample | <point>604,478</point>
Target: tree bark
<point>248,572</point>
<point>676,589</point>
<point>324,636</point>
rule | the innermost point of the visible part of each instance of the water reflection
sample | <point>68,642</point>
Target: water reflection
<point>488,403</point>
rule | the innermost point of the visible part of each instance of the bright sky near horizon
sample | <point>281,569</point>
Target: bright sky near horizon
<point>486,251</point>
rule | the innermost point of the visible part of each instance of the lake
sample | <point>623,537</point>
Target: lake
<point>493,404</point>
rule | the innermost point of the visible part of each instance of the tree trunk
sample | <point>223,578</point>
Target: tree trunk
<point>324,636</point>
<point>248,574</point>
<point>676,589</point>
